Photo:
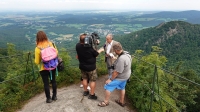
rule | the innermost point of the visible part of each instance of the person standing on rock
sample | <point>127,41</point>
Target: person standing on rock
<point>87,65</point>
<point>110,55</point>
<point>82,79</point>
<point>42,42</point>
<point>120,75</point>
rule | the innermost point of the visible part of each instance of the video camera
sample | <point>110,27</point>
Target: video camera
<point>92,40</point>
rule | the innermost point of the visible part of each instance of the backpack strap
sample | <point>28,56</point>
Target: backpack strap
<point>56,67</point>
<point>40,48</point>
<point>56,71</point>
<point>50,74</point>
<point>53,45</point>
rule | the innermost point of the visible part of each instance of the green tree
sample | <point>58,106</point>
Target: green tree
<point>175,92</point>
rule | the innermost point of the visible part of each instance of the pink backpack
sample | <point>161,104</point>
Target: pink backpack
<point>49,58</point>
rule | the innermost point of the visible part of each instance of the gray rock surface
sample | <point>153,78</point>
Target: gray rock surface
<point>69,100</point>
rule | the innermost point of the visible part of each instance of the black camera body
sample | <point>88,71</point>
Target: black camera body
<point>112,67</point>
<point>92,40</point>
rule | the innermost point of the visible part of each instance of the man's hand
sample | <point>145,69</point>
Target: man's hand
<point>112,56</point>
<point>97,42</point>
<point>108,81</point>
<point>100,50</point>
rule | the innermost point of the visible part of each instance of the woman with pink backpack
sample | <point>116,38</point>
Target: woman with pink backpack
<point>46,57</point>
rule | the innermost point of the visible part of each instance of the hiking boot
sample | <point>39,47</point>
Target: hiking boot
<point>85,93</point>
<point>92,97</point>
<point>48,100</point>
<point>54,98</point>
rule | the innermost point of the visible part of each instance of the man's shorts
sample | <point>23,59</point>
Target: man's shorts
<point>91,74</point>
<point>115,84</point>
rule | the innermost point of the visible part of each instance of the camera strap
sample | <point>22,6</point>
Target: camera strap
<point>124,53</point>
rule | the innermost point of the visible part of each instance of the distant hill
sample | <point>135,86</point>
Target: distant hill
<point>63,28</point>
<point>191,16</point>
<point>180,41</point>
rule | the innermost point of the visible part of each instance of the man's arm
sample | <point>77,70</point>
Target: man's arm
<point>114,75</point>
<point>100,50</point>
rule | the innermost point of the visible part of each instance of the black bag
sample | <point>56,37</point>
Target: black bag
<point>60,66</point>
<point>129,80</point>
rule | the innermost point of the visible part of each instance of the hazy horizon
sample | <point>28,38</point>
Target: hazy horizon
<point>105,5</point>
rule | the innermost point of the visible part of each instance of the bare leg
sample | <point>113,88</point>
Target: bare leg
<point>107,97</point>
<point>81,82</point>
<point>122,94</point>
<point>85,84</point>
<point>92,86</point>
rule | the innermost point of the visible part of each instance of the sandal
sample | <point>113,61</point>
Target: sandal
<point>121,104</point>
<point>103,104</point>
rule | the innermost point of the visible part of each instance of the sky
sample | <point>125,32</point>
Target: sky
<point>133,5</point>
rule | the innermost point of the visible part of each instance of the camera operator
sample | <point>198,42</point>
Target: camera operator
<point>87,65</point>
<point>110,55</point>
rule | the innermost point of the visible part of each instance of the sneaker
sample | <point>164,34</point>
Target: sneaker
<point>85,93</point>
<point>48,100</point>
<point>54,98</point>
<point>92,97</point>
<point>81,85</point>
<point>88,88</point>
